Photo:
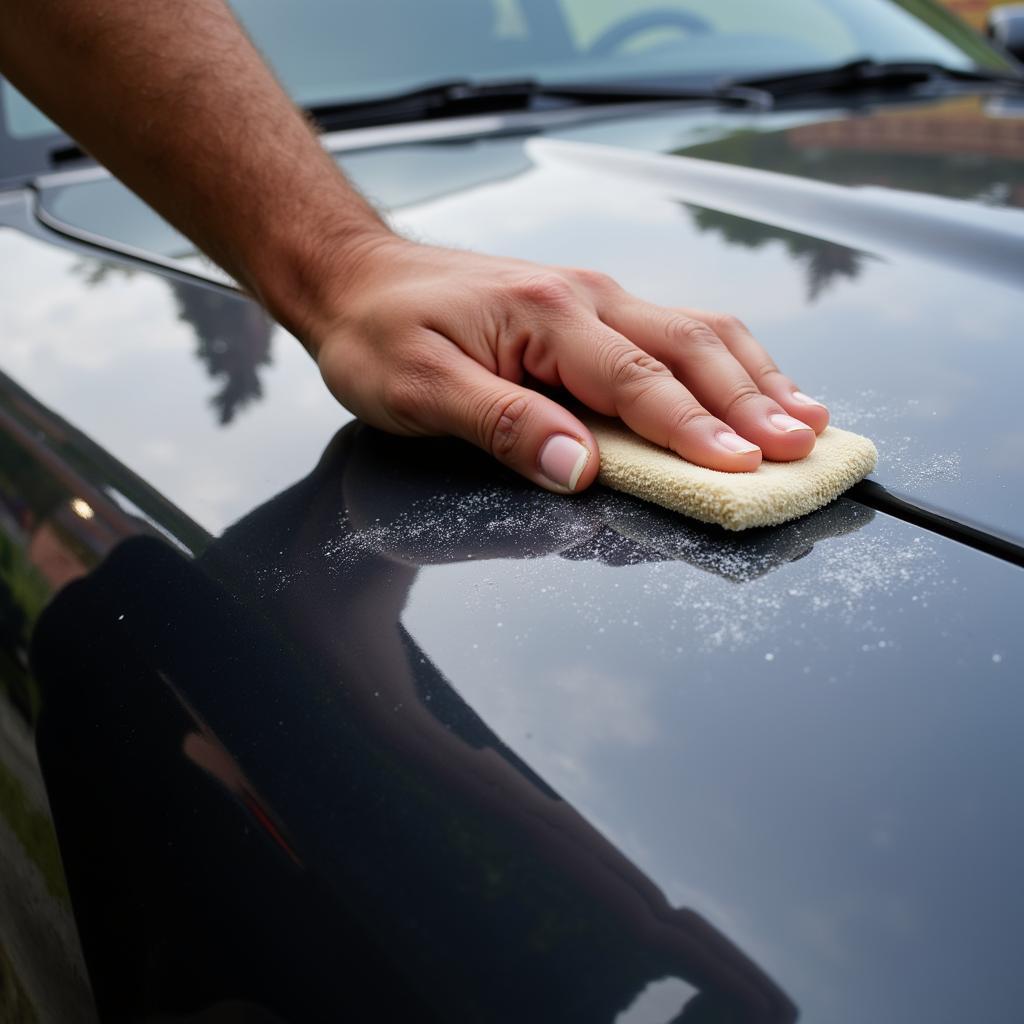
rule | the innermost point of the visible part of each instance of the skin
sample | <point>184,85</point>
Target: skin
<point>176,102</point>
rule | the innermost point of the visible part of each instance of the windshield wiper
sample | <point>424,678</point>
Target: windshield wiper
<point>867,74</point>
<point>464,96</point>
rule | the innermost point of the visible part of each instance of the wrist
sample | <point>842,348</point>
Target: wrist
<point>308,279</point>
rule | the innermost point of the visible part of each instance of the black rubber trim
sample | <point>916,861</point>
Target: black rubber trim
<point>875,496</point>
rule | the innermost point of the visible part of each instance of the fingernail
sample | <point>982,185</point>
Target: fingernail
<point>799,396</point>
<point>563,459</point>
<point>787,423</point>
<point>735,443</point>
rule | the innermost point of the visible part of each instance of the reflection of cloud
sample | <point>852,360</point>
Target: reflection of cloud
<point>601,710</point>
<point>576,715</point>
<point>119,364</point>
<point>660,1001</point>
<point>46,323</point>
<point>232,335</point>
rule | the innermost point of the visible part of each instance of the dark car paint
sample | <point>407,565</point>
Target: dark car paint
<point>894,238</point>
<point>780,768</point>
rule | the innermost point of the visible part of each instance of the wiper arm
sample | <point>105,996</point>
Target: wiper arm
<point>866,74</point>
<point>464,96</point>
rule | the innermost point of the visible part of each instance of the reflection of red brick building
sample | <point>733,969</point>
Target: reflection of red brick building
<point>958,129</point>
<point>973,12</point>
<point>72,524</point>
<point>938,132</point>
<point>56,561</point>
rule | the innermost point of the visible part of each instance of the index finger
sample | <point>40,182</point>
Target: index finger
<point>607,372</point>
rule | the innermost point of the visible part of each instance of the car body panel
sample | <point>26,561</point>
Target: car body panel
<point>879,278</point>
<point>821,720</point>
<point>335,676</point>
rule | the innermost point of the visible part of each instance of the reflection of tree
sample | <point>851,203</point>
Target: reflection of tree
<point>96,272</point>
<point>13,632</point>
<point>824,261</point>
<point>16,682</point>
<point>15,1004</point>
<point>233,341</point>
<point>232,334</point>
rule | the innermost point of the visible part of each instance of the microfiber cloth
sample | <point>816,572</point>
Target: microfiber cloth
<point>773,493</point>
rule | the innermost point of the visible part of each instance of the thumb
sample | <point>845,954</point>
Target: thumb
<point>528,432</point>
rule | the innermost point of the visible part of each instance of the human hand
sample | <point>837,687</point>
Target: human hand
<point>435,341</point>
<point>413,339</point>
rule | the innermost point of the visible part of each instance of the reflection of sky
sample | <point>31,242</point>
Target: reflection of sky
<point>847,801</point>
<point>819,760</point>
<point>118,363</point>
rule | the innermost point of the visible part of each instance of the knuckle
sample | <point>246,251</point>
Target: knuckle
<point>765,371</point>
<point>685,331</point>
<point>595,280</point>
<point>503,423</point>
<point>729,324</point>
<point>685,417</point>
<point>739,395</point>
<point>547,290</point>
<point>632,368</point>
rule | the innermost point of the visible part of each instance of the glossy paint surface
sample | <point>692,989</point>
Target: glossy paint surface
<point>775,773</point>
<point>638,751</point>
<point>907,331</point>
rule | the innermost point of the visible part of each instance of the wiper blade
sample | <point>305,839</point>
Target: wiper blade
<point>464,96</point>
<point>627,92</point>
<point>867,74</point>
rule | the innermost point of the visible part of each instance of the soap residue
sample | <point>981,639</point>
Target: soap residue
<point>903,463</point>
<point>719,589</point>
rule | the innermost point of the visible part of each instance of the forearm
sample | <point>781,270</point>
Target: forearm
<point>175,101</point>
<point>173,98</point>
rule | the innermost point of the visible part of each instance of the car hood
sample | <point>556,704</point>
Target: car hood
<point>887,283</point>
<point>877,254</point>
<point>622,734</point>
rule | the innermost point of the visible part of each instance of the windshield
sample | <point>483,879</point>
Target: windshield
<point>331,51</point>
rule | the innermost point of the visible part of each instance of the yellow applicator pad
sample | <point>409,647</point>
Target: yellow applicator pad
<point>774,493</point>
